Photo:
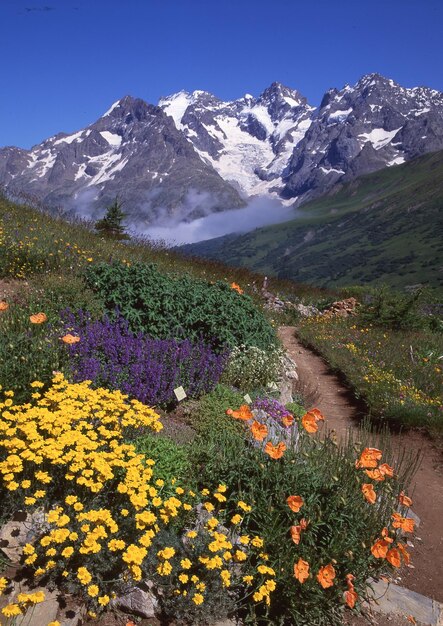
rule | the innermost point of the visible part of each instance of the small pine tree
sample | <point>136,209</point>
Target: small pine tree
<point>111,224</point>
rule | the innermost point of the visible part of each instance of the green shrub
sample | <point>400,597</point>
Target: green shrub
<point>166,307</point>
<point>341,525</point>
<point>250,368</point>
<point>171,460</point>
<point>395,310</point>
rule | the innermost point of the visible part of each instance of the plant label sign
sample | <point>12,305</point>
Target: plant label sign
<point>247,398</point>
<point>180,393</point>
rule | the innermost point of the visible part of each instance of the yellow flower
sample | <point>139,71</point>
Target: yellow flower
<point>11,610</point>
<point>197,598</point>
<point>166,553</point>
<point>93,591</point>
<point>103,600</point>
<point>236,519</point>
<point>186,563</point>
<point>83,575</point>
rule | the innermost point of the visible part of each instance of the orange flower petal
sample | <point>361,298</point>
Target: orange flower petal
<point>301,571</point>
<point>295,534</point>
<point>369,493</point>
<point>368,458</point>
<point>244,413</point>
<point>386,470</point>
<point>375,474</point>
<point>351,597</point>
<point>393,557</point>
<point>404,499</point>
<point>4,306</point>
<point>38,318</point>
<point>326,576</point>
<point>287,420</point>
<point>309,423</point>
<point>70,339</point>
<point>405,523</point>
<point>380,549</point>
<point>405,554</point>
<point>259,431</point>
<point>295,503</point>
<point>275,452</point>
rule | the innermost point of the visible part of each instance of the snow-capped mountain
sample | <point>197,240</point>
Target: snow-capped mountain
<point>248,141</point>
<point>194,154</point>
<point>361,129</point>
<point>135,152</point>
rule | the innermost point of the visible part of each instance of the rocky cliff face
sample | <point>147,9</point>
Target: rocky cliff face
<point>195,154</point>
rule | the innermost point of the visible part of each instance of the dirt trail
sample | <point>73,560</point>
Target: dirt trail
<point>341,410</point>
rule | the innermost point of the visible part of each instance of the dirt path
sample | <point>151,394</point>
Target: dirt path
<point>341,410</point>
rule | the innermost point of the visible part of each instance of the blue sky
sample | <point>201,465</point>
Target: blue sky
<point>64,62</point>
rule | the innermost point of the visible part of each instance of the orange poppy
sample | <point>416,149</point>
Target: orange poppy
<point>386,470</point>
<point>368,458</point>
<point>288,420</point>
<point>393,557</point>
<point>326,576</point>
<point>351,597</point>
<point>404,499</point>
<point>309,422</point>
<point>349,579</point>
<point>317,414</point>
<point>275,452</point>
<point>369,493</point>
<point>296,531</point>
<point>380,548</point>
<point>259,431</point>
<point>244,413</point>
<point>405,523</point>
<point>405,554</point>
<point>295,534</point>
<point>295,503</point>
<point>38,318</point>
<point>4,306</point>
<point>301,571</point>
<point>236,288</point>
<point>385,535</point>
<point>375,474</point>
<point>70,339</point>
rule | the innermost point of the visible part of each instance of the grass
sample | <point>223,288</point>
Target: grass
<point>384,225</point>
<point>398,374</point>
<point>34,243</point>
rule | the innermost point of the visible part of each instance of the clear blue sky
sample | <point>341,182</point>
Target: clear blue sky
<point>64,62</point>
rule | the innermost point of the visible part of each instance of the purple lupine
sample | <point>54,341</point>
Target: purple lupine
<point>144,368</point>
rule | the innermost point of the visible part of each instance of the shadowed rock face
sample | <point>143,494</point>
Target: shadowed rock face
<point>195,154</point>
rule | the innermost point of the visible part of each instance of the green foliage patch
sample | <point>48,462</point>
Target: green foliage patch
<point>165,306</point>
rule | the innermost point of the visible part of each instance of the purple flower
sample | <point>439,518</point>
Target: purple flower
<point>148,369</point>
<point>272,407</point>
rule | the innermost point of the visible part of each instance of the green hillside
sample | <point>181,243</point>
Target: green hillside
<point>384,226</point>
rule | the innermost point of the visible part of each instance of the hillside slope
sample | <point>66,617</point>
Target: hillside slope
<point>384,226</point>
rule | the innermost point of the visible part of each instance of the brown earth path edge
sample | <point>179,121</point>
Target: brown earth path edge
<point>337,404</point>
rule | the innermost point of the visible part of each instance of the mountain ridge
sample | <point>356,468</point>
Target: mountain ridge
<point>194,154</point>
